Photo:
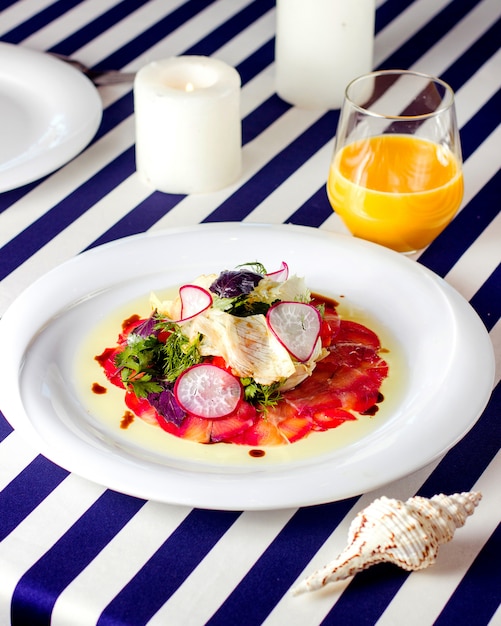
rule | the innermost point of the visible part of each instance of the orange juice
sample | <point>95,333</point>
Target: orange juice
<point>397,190</point>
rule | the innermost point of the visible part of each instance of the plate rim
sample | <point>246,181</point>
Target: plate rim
<point>455,300</point>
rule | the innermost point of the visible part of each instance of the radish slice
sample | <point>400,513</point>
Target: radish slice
<point>208,391</point>
<point>194,300</point>
<point>280,275</point>
<point>297,326</point>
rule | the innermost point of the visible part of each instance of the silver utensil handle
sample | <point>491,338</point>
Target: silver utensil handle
<point>110,77</point>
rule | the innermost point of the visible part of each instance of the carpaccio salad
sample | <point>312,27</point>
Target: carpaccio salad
<point>246,357</point>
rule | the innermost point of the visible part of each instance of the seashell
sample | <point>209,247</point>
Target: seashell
<point>407,534</point>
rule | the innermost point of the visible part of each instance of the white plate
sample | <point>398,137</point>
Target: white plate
<point>49,112</point>
<point>446,353</point>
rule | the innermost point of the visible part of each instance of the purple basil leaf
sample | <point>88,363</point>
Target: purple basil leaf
<point>232,283</point>
<point>165,404</point>
<point>146,328</point>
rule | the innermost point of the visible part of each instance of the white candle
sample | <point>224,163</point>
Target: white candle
<point>321,45</point>
<point>188,127</point>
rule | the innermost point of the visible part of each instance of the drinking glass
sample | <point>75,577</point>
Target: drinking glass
<point>396,174</point>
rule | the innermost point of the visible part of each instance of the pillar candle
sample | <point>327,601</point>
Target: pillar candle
<point>321,45</point>
<point>188,127</point>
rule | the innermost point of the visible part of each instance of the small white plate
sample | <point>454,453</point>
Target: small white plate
<point>445,351</point>
<point>49,112</point>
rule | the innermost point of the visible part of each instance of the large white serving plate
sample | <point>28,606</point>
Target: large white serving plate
<point>447,355</point>
<point>49,112</point>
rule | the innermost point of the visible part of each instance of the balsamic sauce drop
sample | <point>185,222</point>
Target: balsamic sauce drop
<point>98,389</point>
<point>127,419</point>
<point>257,453</point>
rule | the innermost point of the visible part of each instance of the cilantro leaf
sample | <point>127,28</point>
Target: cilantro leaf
<point>264,396</point>
<point>139,362</point>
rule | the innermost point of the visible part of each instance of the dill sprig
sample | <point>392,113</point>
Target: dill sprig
<point>178,352</point>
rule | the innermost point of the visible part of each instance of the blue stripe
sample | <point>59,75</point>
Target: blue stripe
<point>47,15</point>
<point>247,69</point>
<point>388,11</point>
<point>97,27</point>
<point>5,427</point>
<point>43,230</point>
<point>279,566</point>
<point>434,30</point>
<point>465,605</point>
<point>230,29</point>
<point>484,301</point>
<point>475,217</point>
<point>367,596</point>
<point>262,117</point>
<point>6,4</point>
<point>25,492</point>
<point>314,211</point>
<point>370,592</point>
<point>477,54</point>
<point>256,62</point>
<point>159,31</point>
<point>142,217</point>
<point>167,569</point>
<point>38,589</point>
<point>277,170</point>
<point>8,198</point>
<point>463,465</point>
<point>481,125</point>
<point>115,114</point>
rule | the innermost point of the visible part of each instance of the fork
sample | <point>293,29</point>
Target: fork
<point>98,77</point>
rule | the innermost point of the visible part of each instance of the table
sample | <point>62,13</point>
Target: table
<point>74,553</point>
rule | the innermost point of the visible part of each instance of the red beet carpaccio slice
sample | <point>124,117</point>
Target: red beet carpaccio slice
<point>345,383</point>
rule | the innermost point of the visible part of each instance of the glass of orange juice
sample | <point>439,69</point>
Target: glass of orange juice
<point>396,174</point>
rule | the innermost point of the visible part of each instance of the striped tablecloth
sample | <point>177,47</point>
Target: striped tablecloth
<point>75,553</point>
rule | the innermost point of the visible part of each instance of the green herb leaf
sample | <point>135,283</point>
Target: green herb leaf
<point>243,306</point>
<point>263,396</point>
<point>140,364</point>
<point>146,362</point>
<point>178,353</point>
<point>256,266</point>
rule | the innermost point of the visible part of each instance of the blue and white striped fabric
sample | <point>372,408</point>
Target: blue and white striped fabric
<point>73,553</point>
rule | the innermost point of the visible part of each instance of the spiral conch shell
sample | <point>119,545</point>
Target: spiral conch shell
<point>407,534</point>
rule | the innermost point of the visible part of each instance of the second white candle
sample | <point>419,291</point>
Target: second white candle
<point>321,45</point>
